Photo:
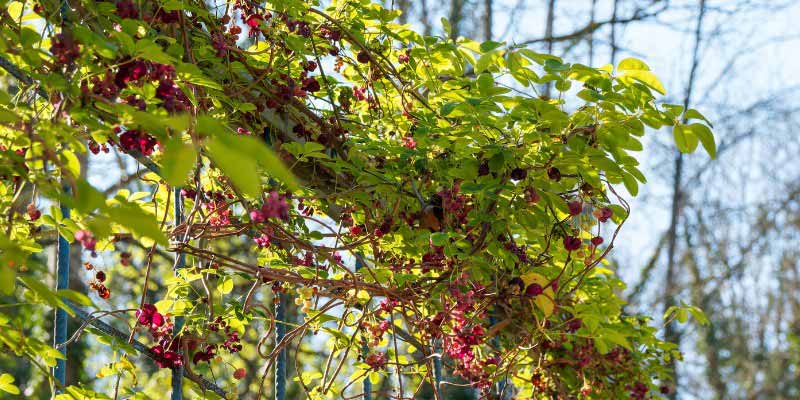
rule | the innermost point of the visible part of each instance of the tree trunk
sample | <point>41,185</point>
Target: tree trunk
<point>548,34</point>
<point>592,12</point>
<point>614,33</point>
<point>487,19</point>
<point>671,334</point>
<point>456,16</point>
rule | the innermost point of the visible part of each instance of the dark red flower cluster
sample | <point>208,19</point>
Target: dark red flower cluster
<point>409,142</point>
<point>220,43</point>
<point>127,9</point>
<point>330,33</point>
<point>274,206</point>
<point>131,71</point>
<point>219,213</point>
<point>532,196</point>
<point>95,148</point>
<point>638,390</point>
<point>134,139</point>
<point>160,328</point>
<point>456,206</point>
<point>64,48</point>
<point>434,259</point>
<point>96,283</point>
<point>297,26</point>
<point>172,97</point>
<point>164,16</point>
<point>533,290</point>
<point>376,330</point>
<point>518,251</point>
<point>603,214</point>
<point>232,342</point>
<point>87,239</point>
<point>572,243</point>
<point>376,361</point>
<point>387,306</point>
<point>575,207</point>
<point>125,258</point>
<point>385,227</point>
<point>262,241</point>
<point>33,212</point>
<point>460,334</point>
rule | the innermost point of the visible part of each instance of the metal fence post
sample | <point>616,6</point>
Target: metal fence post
<point>280,333</point>
<point>437,364</point>
<point>180,262</point>
<point>364,347</point>
<point>62,272</point>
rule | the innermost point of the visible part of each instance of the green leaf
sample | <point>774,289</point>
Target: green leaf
<point>694,114</point>
<point>646,77</point>
<point>232,158</point>
<point>446,26</point>
<point>7,277</point>
<point>485,84</point>
<point>706,137</point>
<point>632,64</point>
<point>225,285</point>
<point>239,157</point>
<point>87,198</point>
<point>685,138</point>
<point>7,384</point>
<point>71,162</point>
<point>133,218</point>
<point>45,295</point>
<point>439,238</point>
<point>192,74</point>
<point>178,160</point>
<point>75,297</point>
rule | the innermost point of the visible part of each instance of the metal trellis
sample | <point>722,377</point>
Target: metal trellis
<point>62,263</point>
<point>364,347</point>
<point>180,262</point>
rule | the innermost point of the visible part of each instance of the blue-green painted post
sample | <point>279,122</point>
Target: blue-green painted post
<point>280,333</point>
<point>364,347</point>
<point>180,262</point>
<point>62,272</point>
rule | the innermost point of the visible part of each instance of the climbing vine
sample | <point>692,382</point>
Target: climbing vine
<point>414,196</point>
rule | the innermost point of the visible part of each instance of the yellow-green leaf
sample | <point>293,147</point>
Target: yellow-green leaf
<point>685,138</point>
<point>178,160</point>
<point>7,384</point>
<point>646,77</point>
<point>706,137</point>
<point>632,64</point>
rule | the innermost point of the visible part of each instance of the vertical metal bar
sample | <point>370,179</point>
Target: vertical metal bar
<point>280,322</point>
<point>62,282</point>
<point>364,347</point>
<point>437,363</point>
<point>280,333</point>
<point>501,386</point>
<point>180,262</point>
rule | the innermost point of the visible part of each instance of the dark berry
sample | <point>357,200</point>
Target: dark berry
<point>572,243</point>
<point>575,208</point>
<point>554,174</point>
<point>519,174</point>
<point>534,289</point>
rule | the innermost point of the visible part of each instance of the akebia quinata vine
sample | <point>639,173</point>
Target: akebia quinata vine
<point>304,139</point>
